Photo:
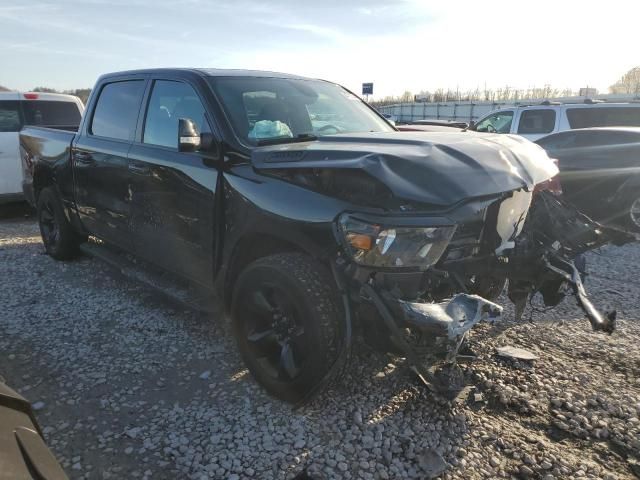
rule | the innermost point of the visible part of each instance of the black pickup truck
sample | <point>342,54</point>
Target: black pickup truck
<point>308,213</point>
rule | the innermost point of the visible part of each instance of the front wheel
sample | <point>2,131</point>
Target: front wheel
<point>59,238</point>
<point>287,322</point>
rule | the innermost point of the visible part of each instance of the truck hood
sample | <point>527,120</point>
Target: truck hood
<point>439,168</point>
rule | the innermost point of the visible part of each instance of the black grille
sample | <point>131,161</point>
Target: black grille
<point>475,236</point>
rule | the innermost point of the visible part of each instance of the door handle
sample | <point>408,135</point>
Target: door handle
<point>139,168</point>
<point>83,158</point>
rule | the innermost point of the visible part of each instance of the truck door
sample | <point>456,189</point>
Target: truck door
<point>10,165</point>
<point>100,163</point>
<point>172,192</point>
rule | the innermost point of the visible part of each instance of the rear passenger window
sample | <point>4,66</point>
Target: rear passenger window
<point>169,102</point>
<point>587,117</point>
<point>117,109</point>
<point>10,116</point>
<point>537,121</point>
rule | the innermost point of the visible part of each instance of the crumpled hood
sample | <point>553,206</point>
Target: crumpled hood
<point>439,168</point>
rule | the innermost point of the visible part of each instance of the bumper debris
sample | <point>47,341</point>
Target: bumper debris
<point>453,318</point>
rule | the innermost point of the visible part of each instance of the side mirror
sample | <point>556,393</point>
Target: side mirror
<point>188,135</point>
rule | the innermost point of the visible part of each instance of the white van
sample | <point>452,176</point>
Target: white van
<point>20,109</point>
<point>537,121</point>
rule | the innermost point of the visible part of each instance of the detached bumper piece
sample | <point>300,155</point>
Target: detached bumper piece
<point>568,271</point>
<point>556,235</point>
<point>451,319</point>
<point>447,321</point>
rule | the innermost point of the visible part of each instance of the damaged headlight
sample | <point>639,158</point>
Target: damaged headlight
<point>386,246</point>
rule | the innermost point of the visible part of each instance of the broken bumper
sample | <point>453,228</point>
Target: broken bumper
<point>451,319</point>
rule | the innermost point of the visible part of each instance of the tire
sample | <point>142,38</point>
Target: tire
<point>287,321</point>
<point>60,240</point>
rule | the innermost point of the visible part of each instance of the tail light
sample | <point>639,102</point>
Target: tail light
<point>31,96</point>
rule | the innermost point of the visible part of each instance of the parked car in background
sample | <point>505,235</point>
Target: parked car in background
<point>600,171</point>
<point>443,123</point>
<point>20,109</point>
<point>412,127</point>
<point>537,121</point>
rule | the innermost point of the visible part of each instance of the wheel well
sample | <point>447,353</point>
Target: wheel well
<point>250,248</point>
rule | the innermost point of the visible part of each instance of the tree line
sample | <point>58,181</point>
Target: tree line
<point>502,94</point>
<point>629,83</point>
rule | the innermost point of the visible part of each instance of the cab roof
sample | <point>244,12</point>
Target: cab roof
<point>210,72</point>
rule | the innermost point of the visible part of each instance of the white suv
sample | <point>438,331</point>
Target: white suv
<point>537,121</point>
<point>19,109</point>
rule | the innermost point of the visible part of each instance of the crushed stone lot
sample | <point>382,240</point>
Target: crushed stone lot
<point>127,384</point>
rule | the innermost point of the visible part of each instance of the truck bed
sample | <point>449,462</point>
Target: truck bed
<point>43,145</point>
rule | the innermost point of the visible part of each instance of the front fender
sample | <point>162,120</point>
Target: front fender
<point>263,215</point>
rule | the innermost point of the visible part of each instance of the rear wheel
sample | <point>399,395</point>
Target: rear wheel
<point>60,240</point>
<point>287,323</point>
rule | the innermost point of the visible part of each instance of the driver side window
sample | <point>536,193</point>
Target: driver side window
<point>499,122</point>
<point>170,101</point>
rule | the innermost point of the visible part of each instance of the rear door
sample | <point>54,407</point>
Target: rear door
<point>100,163</point>
<point>535,123</point>
<point>10,166</point>
<point>173,192</point>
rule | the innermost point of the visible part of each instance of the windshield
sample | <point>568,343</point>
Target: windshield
<point>265,110</point>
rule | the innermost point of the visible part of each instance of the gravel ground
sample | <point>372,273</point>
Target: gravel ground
<point>127,384</point>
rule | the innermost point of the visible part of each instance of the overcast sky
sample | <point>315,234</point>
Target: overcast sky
<point>399,45</point>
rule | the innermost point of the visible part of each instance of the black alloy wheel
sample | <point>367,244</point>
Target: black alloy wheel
<point>274,332</point>
<point>287,320</point>
<point>59,238</point>
<point>49,228</point>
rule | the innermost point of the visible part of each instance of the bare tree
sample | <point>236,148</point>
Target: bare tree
<point>407,96</point>
<point>629,83</point>
<point>4,89</point>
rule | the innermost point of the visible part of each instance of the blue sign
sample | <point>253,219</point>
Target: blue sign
<point>367,89</point>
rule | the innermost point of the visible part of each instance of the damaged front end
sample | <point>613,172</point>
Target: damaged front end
<point>432,227</point>
<point>426,310</point>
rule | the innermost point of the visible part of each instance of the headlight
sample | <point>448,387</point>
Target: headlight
<point>377,245</point>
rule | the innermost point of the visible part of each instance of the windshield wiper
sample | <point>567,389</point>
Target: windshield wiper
<point>302,137</point>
